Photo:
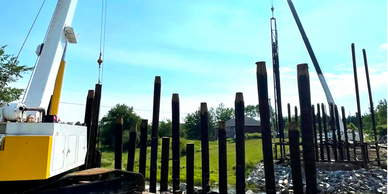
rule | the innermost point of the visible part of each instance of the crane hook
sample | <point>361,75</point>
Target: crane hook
<point>99,61</point>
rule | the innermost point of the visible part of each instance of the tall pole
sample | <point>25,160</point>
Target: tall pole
<point>164,164</point>
<point>154,136</point>
<point>131,148</point>
<point>143,146</point>
<point>306,128</point>
<point>306,41</point>
<point>240,142</point>
<point>205,147</point>
<point>276,80</point>
<point>88,122</point>
<point>262,89</point>
<point>358,104</point>
<point>296,168</point>
<point>222,157</point>
<point>118,142</point>
<point>94,153</point>
<point>372,111</point>
<point>175,143</point>
<point>190,168</point>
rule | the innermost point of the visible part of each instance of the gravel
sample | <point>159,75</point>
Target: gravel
<point>361,180</point>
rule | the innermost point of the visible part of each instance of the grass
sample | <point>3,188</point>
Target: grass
<point>253,155</point>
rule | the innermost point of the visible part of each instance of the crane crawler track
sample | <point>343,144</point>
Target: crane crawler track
<point>96,180</point>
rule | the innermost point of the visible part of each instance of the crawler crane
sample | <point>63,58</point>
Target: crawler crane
<point>36,152</point>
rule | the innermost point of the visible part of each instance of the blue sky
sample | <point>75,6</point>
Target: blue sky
<point>205,50</point>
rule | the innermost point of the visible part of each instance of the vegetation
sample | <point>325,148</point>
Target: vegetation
<point>107,124</point>
<point>253,155</point>
<point>367,125</point>
<point>190,129</point>
<point>223,113</point>
<point>10,71</point>
<point>192,126</point>
<point>352,121</point>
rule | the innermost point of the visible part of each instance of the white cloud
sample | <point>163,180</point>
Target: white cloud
<point>383,47</point>
<point>161,60</point>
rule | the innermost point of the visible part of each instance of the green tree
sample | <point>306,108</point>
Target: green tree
<point>252,111</point>
<point>182,131</point>
<point>10,71</point>
<point>352,126</point>
<point>78,123</point>
<point>381,130</point>
<point>351,119</point>
<point>192,125</point>
<point>367,126</point>
<point>107,123</point>
<point>381,112</point>
<point>223,114</point>
<point>165,128</point>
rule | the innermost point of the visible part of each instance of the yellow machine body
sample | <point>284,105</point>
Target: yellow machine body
<point>25,158</point>
<point>36,151</point>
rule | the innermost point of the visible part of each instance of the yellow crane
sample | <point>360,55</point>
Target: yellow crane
<point>36,152</point>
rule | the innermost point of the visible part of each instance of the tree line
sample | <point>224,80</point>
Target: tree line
<point>189,129</point>
<point>380,113</point>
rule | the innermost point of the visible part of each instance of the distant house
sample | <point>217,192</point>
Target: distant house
<point>251,126</point>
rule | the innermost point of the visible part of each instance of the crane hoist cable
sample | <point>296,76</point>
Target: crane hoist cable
<point>28,34</point>
<point>25,40</point>
<point>104,5</point>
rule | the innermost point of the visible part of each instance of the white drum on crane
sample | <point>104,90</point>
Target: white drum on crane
<point>12,112</point>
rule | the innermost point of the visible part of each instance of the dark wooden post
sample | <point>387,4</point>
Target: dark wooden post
<point>131,148</point>
<point>240,142</point>
<point>337,122</point>
<point>363,153</point>
<point>296,168</point>
<point>143,147</point>
<point>222,163</point>
<point>315,134</point>
<point>332,127</point>
<point>296,114</point>
<point>289,112</point>
<point>164,164</point>
<point>372,111</point>
<point>262,88</point>
<point>118,142</point>
<point>95,155</point>
<point>87,123</point>
<point>320,133</point>
<point>205,148</point>
<point>355,142</point>
<point>346,134</point>
<point>175,144</point>
<point>154,136</point>
<point>190,168</point>
<point>306,128</point>
<point>324,116</point>
<point>88,111</point>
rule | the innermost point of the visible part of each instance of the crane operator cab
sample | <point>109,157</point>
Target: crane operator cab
<point>33,145</point>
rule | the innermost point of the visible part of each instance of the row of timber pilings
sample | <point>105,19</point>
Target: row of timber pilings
<point>330,142</point>
<point>314,127</point>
